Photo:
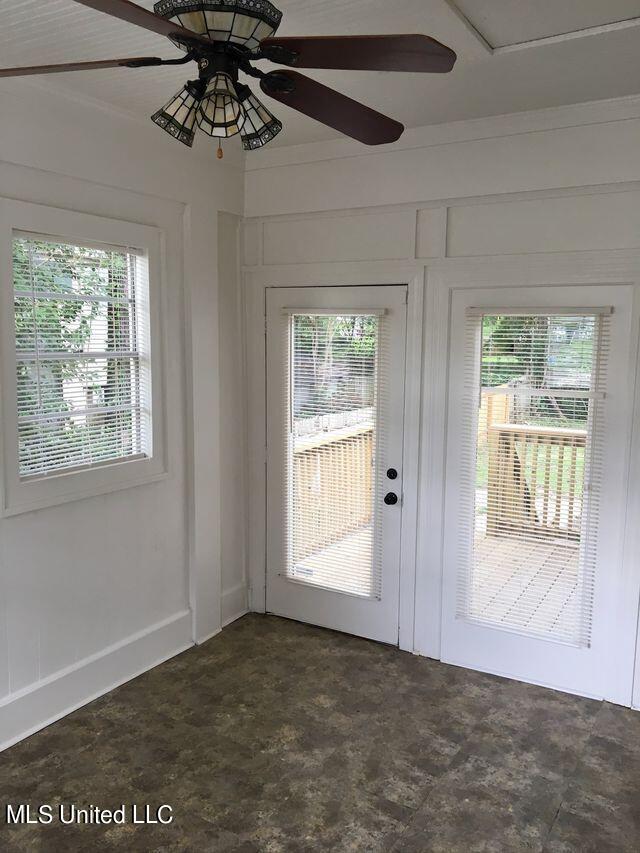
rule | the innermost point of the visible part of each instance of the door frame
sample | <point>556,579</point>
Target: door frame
<point>444,278</point>
<point>372,616</point>
<point>431,283</point>
<point>512,652</point>
<point>256,284</point>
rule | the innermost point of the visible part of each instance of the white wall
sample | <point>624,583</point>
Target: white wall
<point>233,520</point>
<point>100,589</point>
<point>75,618</point>
<point>551,196</point>
<point>561,148</point>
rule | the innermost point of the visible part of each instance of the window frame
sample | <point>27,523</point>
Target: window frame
<point>26,494</point>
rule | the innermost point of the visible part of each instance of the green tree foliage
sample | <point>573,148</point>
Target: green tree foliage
<point>50,280</point>
<point>539,352</point>
<point>335,360</point>
<point>514,347</point>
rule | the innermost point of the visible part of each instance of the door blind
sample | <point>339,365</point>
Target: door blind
<point>532,469</point>
<point>83,383</point>
<point>334,441</point>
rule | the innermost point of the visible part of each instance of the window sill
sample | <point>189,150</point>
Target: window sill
<point>41,493</point>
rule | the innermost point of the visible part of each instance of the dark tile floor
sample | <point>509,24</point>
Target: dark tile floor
<point>277,736</point>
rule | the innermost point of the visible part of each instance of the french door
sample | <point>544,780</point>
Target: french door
<point>335,404</point>
<point>538,434</point>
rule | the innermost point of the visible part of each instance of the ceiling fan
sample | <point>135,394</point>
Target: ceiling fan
<point>226,36</point>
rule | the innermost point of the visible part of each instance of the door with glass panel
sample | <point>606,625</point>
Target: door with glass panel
<point>538,429</point>
<point>335,405</point>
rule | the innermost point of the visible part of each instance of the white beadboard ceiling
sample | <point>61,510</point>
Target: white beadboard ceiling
<point>594,66</point>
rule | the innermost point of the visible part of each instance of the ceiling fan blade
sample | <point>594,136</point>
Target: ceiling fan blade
<point>361,53</point>
<point>330,107</point>
<point>134,14</point>
<point>130,62</point>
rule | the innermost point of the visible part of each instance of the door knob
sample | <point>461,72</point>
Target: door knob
<point>391,499</point>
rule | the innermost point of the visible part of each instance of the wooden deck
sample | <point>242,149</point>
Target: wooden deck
<point>524,585</point>
<point>345,566</point>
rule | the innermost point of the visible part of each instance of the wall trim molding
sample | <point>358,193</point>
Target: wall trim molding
<point>235,603</point>
<point>431,225</point>
<point>37,706</point>
<point>445,202</point>
<point>465,130</point>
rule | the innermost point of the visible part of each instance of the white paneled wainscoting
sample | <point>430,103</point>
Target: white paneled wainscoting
<point>104,580</point>
<point>523,212</point>
<point>105,585</point>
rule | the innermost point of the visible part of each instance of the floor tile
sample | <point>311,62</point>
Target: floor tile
<point>276,737</point>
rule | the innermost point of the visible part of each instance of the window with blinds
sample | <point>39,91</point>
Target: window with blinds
<point>533,424</point>
<point>333,441</point>
<point>83,380</point>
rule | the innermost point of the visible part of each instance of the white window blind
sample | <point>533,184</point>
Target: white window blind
<point>535,387</point>
<point>333,442</point>
<point>82,355</point>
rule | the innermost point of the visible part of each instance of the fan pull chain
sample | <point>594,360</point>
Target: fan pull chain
<point>220,152</point>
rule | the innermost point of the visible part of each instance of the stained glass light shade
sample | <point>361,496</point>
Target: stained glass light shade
<point>260,125</point>
<point>243,22</point>
<point>220,112</point>
<point>178,116</point>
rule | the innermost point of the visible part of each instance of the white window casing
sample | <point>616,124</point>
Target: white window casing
<point>82,382</point>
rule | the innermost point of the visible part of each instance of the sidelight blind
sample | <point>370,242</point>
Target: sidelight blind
<point>334,380</point>
<point>83,380</point>
<point>535,386</point>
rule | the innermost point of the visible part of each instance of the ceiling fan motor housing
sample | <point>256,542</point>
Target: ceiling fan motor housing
<point>218,61</point>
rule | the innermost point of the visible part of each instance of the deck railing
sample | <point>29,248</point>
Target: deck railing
<point>535,480</point>
<point>332,487</point>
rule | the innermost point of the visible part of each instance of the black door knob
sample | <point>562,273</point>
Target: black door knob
<point>391,499</point>
<point>392,474</point>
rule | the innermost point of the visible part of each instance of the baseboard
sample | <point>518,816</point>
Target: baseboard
<point>234,604</point>
<point>37,706</point>
<point>208,637</point>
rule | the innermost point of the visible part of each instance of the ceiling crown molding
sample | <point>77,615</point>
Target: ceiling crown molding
<point>588,32</point>
<point>585,32</point>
